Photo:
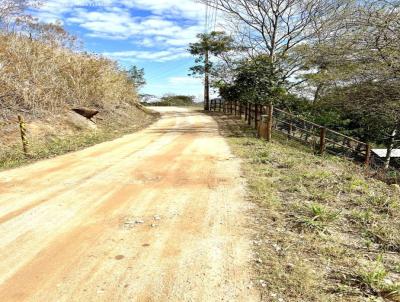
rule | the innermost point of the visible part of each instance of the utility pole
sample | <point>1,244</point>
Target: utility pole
<point>207,81</point>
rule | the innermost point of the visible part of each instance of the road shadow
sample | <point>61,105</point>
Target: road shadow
<point>184,129</point>
<point>232,126</point>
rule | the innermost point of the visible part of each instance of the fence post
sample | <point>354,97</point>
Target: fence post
<point>322,141</point>
<point>269,122</point>
<point>256,116</point>
<point>368,155</point>
<point>249,120</point>
<point>22,127</point>
<point>290,129</point>
<point>262,128</point>
<point>245,111</point>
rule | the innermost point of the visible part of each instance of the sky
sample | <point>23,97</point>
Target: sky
<point>151,34</point>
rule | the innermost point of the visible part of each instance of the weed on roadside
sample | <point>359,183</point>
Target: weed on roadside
<point>325,232</point>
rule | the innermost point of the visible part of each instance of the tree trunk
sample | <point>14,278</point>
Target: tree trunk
<point>390,147</point>
<point>206,84</point>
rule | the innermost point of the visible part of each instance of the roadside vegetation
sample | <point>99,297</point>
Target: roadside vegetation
<point>174,100</point>
<point>57,137</point>
<point>44,74</point>
<point>324,231</point>
<point>336,63</point>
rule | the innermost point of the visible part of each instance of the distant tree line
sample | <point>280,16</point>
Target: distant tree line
<point>171,100</point>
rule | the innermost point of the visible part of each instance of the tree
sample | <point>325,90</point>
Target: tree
<point>136,76</point>
<point>358,70</point>
<point>12,10</point>
<point>254,81</point>
<point>214,43</point>
<point>274,28</point>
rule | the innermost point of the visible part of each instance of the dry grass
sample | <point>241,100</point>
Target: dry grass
<point>42,77</point>
<point>40,74</point>
<point>56,138</point>
<point>325,232</point>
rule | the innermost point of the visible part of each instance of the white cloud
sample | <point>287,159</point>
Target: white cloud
<point>156,56</point>
<point>160,34</point>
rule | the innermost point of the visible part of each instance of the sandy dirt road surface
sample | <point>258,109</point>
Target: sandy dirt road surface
<point>158,215</point>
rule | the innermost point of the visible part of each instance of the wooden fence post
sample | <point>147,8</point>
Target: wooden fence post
<point>256,116</point>
<point>270,122</point>
<point>262,128</point>
<point>290,129</point>
<point>368,155</point>
<point>22,127</point>
<point>249,120</point>
<point>322,141</point>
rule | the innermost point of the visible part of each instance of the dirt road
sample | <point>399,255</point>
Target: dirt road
<point>158,215</point>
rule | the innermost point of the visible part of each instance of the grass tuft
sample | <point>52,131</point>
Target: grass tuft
<point>324,231</point>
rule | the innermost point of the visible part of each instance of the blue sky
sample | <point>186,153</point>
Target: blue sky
<point>153,34</point>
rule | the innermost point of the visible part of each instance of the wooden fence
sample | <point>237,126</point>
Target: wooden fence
<point>267,119</point>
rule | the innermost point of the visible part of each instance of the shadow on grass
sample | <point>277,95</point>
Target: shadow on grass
<point>232,126</point>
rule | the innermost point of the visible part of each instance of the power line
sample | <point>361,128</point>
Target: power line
<point>216,14</point>
<point>206,18</point>
<point>166,73</point>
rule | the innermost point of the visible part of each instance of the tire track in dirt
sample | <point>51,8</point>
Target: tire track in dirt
<point>90,244</point>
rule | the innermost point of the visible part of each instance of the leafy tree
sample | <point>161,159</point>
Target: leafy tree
<point>136,75</point>
<point>215,44</point>
<point>356,71</point>
<point>253,80</point>
<point>372,110</point>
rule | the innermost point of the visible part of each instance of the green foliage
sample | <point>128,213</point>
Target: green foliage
<point>354,68</point>
<point>255,80</point>
<point>317,217</point>
<point>136,76</point>
<point>214,43</point>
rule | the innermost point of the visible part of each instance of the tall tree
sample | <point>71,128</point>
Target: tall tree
<point>136,75</point>
<point>273,28</point>
<point>215,44</point>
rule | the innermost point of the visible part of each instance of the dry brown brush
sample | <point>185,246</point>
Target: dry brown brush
<point>39,72</point>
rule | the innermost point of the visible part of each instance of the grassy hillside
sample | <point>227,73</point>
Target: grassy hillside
<point>43,74</point>
<point>324,231</point>
<point>42,77</point>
